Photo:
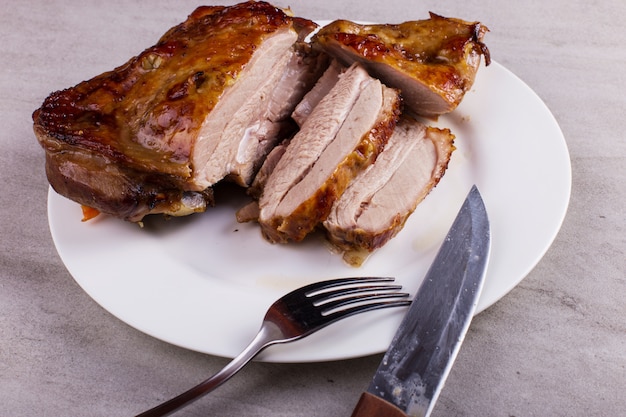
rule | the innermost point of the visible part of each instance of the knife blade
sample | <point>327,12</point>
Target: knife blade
<point>416,365</point>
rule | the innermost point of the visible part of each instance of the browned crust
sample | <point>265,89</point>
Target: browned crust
<point>443,54</point>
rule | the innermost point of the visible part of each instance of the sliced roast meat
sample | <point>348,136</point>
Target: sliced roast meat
<point>301,75</point>
<point>256,113</point>
<point>172,121</point>
<point>250,212</point>
<point>433,62</point>
<point>325,83</point>
<point>376,205</point>
<point>343,135</point>
<point>306,147</point>
<point>272,159</point>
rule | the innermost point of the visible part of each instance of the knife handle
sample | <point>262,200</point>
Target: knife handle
<point>370,405</point>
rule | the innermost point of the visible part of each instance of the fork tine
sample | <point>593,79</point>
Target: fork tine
<point>319,287</point>
<point>320,299</point>
<point>351,302</point>
<point>360,308</point>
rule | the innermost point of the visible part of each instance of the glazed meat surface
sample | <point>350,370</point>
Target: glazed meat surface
<point>376,205</point>
<point>433,62</point>
<point>174,120</point>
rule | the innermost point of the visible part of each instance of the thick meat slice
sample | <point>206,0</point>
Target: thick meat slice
<point>376,205</point>
<point>173,120</point>
<point>305,71</point>
<point>343,135</point>
<point>246,124</point>
<point>433,62</point>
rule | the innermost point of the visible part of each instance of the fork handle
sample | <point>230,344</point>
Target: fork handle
<point>263,339</point>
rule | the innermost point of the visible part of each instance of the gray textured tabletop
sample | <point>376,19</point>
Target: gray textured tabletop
<point>554,346</point>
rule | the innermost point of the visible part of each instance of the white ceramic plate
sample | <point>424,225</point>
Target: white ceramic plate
<point>204,282</point>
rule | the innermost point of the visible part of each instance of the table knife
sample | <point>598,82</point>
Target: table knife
<point>414,368</point>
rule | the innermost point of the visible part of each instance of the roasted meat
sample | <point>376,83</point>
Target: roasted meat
<point>376,205</point>
<point>341,136</point>
<point>433,62</point>
<point>208,101</point>
<point>315,132</point>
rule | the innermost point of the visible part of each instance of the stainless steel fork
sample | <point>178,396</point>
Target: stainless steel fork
<point>296,315</point>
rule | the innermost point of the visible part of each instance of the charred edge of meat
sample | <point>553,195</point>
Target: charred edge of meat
<point>224,15</point>
<point>360,240</point>
<point>478,33</point>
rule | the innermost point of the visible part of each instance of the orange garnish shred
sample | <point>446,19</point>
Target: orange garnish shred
<point>89,213</point>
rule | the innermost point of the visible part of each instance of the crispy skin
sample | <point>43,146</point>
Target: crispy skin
<point>143,117</point>
<point>433,62</point>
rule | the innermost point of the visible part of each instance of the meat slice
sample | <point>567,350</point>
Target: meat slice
<point>322,87</point>
<point>303,73</point>
<point>174,120</point>
<point>433,62</point>
<point>343,134</point>
<point>247,123</point>
<point>376,205</point>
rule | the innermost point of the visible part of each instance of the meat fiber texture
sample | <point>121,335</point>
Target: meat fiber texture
<point>343,135</point>
<point>376,202</point>
<point>376,205</point>
<point>207,102</point>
